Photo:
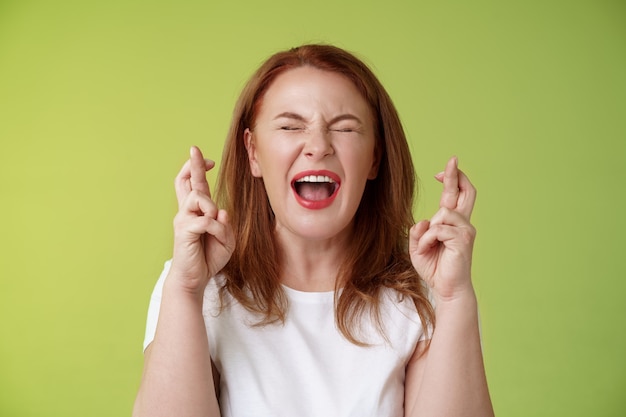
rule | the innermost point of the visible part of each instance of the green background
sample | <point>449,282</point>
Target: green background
<point>100,101</point>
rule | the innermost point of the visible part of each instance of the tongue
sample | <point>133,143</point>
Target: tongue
<point>314,191</point>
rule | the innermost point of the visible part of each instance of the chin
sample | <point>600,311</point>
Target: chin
<point>319,230</point>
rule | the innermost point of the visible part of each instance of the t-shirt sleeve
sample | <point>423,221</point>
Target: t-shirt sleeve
<point>155,306</point>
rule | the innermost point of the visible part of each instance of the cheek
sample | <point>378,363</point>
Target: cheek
<point>277,150</point>
<point>359,160</point>
<point>273,159</point>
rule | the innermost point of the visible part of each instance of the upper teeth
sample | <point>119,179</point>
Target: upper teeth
<point>315,178</point>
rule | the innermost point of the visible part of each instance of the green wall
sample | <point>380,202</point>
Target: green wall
<point>100,101</point>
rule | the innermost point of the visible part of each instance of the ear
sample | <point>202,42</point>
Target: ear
<point>375,163</point>
<point>250,147</point>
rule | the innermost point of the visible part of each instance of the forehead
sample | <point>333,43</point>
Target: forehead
<point>309,90</point>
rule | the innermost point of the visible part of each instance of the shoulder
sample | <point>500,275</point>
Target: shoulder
<point>400,317</point>
<point>399,306</point>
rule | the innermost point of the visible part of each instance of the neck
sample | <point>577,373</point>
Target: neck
<point>312,265</point>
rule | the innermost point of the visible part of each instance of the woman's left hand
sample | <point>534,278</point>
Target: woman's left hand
<point>441,249</point>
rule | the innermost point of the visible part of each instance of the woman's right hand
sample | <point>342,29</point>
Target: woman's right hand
<point>203,237</point>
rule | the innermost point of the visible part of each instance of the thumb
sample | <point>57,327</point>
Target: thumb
<point>416,233</point>
<point>228,238</point>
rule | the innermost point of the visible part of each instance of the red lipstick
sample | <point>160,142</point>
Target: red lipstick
<point>318,182</point>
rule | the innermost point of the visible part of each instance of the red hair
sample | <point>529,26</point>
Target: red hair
<point>378,256</point>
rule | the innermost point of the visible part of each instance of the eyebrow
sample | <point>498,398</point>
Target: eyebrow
<point>296,116</point>
<point>290,115</point>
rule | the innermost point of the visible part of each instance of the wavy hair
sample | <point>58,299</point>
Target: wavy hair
<point>377,257</point>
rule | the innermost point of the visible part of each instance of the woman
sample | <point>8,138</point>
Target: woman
<point>306,294</point>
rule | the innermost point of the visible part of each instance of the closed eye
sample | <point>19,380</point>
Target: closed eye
<point>290,128</point>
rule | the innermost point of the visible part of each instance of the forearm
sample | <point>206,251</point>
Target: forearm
<point>454,381</point>
<point>177,378</point>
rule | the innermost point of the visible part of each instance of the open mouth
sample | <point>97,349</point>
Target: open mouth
<point>315,187</point>
<point>316,190</point>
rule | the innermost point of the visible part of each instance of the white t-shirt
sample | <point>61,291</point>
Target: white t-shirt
<point>305,367</point>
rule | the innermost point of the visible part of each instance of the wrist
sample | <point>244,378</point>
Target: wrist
<point>462,301</point>
<point>463,290</point>
<point>184,289</point>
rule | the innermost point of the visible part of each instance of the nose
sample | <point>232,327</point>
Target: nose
<point>318,144</point>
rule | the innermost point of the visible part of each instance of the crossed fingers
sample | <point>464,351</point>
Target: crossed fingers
<point>192,177</point>
<point>458,192</point>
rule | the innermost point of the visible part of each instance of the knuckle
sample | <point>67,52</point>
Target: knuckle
<point>468,234</point>
<point>177,223</point>
<point>204,222</point>
<point>436,228</point>
<point>445,212</point>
